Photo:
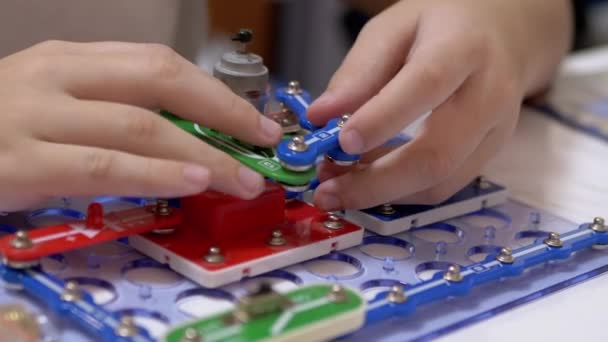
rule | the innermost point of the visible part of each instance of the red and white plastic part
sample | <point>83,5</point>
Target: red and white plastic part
<point>241,232</point>
<point>97,228</point>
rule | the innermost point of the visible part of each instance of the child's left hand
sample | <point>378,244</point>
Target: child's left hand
<point>471,62</point>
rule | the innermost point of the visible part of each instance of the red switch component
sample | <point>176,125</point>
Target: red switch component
<point>220,217</point>
<point>94,216</point>
<point>64,237</point>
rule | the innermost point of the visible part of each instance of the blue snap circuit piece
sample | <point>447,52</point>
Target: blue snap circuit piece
<point>297,100</point>
<point>457,281</point>
<point>301,153</point>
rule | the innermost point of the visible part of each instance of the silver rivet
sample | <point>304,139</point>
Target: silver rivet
<point>71,292</point>
<point>287,119</point>
<point>163,231</point>
<point>482,183</point>
<point>333,222</point>
<point>22,240</point>
<point>214,256</point>
<point>293,88</point>
<point>387,209</point>
<point>453,274</point>
<point>277,238</point>
<point>505,256</point>
<point>191,335</point>
<point>338,294</point>
<point>298,144</point>
<point>397,295</point>
<point>554,240</point>
<point>599,225</point>
<point>162,208</point>
<point>343,120</point>
<point>127,327</point>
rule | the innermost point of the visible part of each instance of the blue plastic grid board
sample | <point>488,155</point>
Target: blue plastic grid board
<point>580,102</point>
<point>122,281</point>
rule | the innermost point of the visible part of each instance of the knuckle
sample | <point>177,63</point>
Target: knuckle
<point>141,126</point>
<point>39,68</point>
<point>148,171</point>
<point>479,46</point>
<point>436,165</point>
<point>238,106</point>
<point>98,165</point>
<point>51,45</point>
<point>432,75</point>
<point>165,63</point>
<point>435,196</point>
<point>507,90</point>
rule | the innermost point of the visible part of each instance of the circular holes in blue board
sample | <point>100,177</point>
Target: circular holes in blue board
<point>383,247</point>
<point>427,270</point>
<point>335,266</point>
<point>151,273</point>
<point>53,264</point>
<point>102,291</point>
<point>528,237</point>
<point>439,232</point>
<point>480,253</point>
<point>372,288</point>
<point>201,302</point>
<point>154,322</point>
<point>53,216</point>
<point>487,217</point>
<point>107,250</point>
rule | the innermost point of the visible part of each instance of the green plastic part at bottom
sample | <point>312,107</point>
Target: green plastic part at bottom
<point>315,314</point>
<point>260,159</point>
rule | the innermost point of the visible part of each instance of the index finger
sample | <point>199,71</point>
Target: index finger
<point>154,76</point>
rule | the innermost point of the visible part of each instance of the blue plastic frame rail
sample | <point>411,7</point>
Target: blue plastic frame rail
<point>403,301</point>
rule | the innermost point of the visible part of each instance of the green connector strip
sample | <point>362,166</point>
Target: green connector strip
<point>260,159</point>
<point>315,314</point>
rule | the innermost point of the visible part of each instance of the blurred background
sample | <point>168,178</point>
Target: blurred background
<point>306,40</point>
<point>299,39</point>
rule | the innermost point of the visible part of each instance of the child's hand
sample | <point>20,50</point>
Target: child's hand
<point>78,120</point>
<point>470,61</point>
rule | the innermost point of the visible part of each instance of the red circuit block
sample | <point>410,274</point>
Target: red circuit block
<point>305,233</point>
<point>218,216</point>
<point>97,228</point>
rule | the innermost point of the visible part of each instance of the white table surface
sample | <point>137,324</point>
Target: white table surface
<point>552,166</point>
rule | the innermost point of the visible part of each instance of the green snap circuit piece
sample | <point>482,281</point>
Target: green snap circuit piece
<point>316,312</point>
<point>260,159</point>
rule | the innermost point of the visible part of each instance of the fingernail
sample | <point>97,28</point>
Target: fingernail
<point>197,176</point>
<point>270,129</point>
<point>351,141</point>
<point>325,98</point>
<point>251,180</point>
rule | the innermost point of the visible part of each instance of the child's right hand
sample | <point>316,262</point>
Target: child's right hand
<point>78,120</point>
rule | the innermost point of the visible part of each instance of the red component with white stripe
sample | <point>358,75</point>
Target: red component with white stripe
<point>96,229</point>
